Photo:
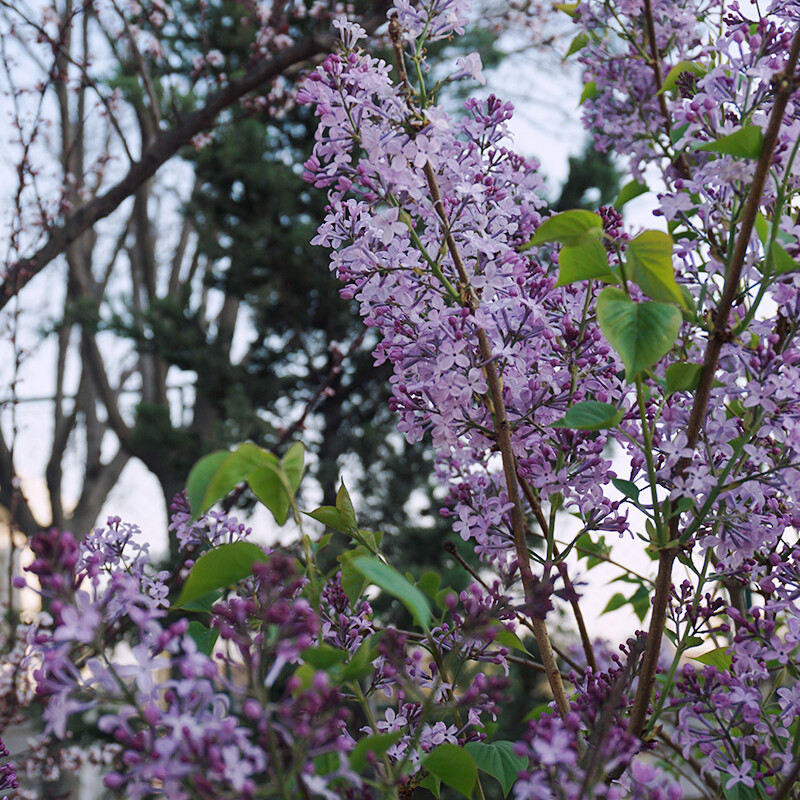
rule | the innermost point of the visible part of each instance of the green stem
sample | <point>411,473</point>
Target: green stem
<point>679,650</point>
<point>647,436</point>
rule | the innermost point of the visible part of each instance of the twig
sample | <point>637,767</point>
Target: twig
<point>586,641</point>
<point>163,147</point>
<point>503,438</point>
<point>655,57</point>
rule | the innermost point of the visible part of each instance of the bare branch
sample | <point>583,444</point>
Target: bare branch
<point>100,480</point>
<point>165,145</point>
<point>11,494</point>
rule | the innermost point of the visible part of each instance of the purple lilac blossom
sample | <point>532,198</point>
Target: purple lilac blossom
<point>549,353</point>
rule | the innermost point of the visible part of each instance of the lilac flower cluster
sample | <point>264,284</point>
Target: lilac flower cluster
<point>211,529</point>
<point>174,709</point>
<point>744,733</point>
<point>418,683</point>
<point>424,211</point>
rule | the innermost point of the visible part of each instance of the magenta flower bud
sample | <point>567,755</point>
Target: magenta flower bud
<point>114,780</point>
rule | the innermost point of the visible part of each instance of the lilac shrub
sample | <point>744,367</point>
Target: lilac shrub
<point>525,346</point>
<point>678,346</point>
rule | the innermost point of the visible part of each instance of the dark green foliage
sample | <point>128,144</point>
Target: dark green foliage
<point>590,170</point>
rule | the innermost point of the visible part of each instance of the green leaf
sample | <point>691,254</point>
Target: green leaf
<point>584,261</point>
<point>677,71</point>
<point>454,766</point>
<point>578,43</point>
<point>432,783</point>
<point>360,663</point>
<point>220,568</point>
<point>718,658</point>
<point>568,227</point>
<point>323,656</point>
<point>642,333</point>
<point>293,464</point>
<point>204,638</point>
<point>538,711</point>
<point>688,308</point>
<point>762,227</point>
<point>640,601</point>
<point>628,488</point>
<point>628,192</point>
<point>570,9</point>
<point>676,132</point>
<point>203,604</point>
<point>510,639</point>
<point>747,142</point>
<point>326,763</point>
<point>650,256</point>
<point>683,377</point>
<point>782,261</point>
<point>626,578</point>
<point>199,478</point>
<point>593,552</point>
<point>276,483</point>
<point>499,760</point>
<point>377,743</point>
<point>267,484</point>
<point>218,474</point>
<point>741,792</point>
<point>443,595</point>
<point>617,601</point>
<point>305,676</point>
<point>353,582</point>
<point>345,506</point>
<point>589,416</point>
<point>392,582</point>
<point>372,539</point>
<point>429,583</point>
<point>329,516</point>
<point>589,91</point>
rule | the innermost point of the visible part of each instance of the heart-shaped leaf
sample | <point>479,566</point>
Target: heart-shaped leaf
<point>677,71</point>
<point>454,766</point>
<point>583,261</point>
<point>683,377</point>
<point>568,227</point>
<point>628,192</point>
<point>649,256</point>
<point>499,760</point>
<point>642,333</point>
